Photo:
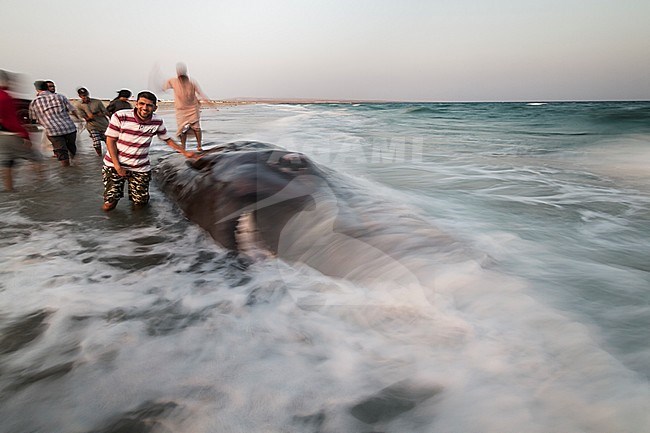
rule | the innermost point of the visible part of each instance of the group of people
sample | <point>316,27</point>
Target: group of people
<point>127,131</point>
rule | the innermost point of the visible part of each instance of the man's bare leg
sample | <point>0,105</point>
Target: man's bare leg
<point>183,139</point>
<point>7,179</point>
<point>197,134</point>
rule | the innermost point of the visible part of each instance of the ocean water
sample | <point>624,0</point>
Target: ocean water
<point>497,279</point>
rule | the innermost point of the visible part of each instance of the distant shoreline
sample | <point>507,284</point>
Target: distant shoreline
<point>235,102</point>
<point>165,104</point>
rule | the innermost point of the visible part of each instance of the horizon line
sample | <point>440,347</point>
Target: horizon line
<point>253,100</point>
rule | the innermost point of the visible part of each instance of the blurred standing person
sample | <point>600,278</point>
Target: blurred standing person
<point>96,117</point>
<point>14,138</point>
<point>187,103</point>
<point>52,110</point>
<point>46,142</point>
<point>128,138</point>
<point>119,103</point>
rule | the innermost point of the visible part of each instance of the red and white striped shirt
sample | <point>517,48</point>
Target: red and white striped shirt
<point>134,137</point>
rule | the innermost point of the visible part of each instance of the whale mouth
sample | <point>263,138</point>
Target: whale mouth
<point>249,241</point>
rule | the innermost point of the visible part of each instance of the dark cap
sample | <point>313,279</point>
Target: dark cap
<point>124,93</point>
<point>82,91</point>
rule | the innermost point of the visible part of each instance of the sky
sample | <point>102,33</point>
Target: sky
<point>399,50</point>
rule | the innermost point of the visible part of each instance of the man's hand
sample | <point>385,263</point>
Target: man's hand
<point>120,170</point>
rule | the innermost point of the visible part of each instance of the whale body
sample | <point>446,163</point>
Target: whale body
<point>238,179</point>
<point>304,212</point>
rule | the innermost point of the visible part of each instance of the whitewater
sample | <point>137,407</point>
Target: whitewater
<point>515,296</point>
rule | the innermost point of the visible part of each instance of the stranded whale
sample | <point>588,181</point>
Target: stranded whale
<point>240,179</point>
<point>306,213</point>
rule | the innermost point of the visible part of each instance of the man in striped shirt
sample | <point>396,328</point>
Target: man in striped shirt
<point>52,110</point>
<point>128,138</point>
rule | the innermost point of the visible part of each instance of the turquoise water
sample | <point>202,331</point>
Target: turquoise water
<point>516,295</point>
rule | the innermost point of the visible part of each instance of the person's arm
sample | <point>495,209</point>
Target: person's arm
<point>171,143</point>
<point>71,108</point>
<point>103,110</point>
<point>111,146</point>
<point>82,113</point>
<point>32,112</point>
<point>199,92</point>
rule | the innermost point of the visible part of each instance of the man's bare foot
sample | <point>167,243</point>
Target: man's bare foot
<point>109,205</point>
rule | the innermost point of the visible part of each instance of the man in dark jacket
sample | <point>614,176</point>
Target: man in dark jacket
<point>119,103</point>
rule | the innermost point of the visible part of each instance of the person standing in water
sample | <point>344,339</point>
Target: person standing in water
<point>187,103</point>
<point>128,138</point>
<point>52,110</point>
<point>119,103</point>
<point>96,117</point>
<point>14,138</point>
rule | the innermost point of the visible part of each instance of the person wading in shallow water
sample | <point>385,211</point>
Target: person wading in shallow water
<point>187,104</point>
<point>52,110</point>
<point>14,138</point>
<point>96,117</point>
<point>119,103</point>
<point>128,139</point>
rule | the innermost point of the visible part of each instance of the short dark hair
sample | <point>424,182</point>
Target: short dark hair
<point>40,85</point>
<point>124,93</point>
<point>148,95</point>
<point>82,91</point>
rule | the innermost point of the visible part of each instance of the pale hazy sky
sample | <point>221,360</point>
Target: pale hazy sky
<point>435,50</point>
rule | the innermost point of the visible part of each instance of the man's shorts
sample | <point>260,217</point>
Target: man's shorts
<point>186,126</point>
<point>13,147</point>
<point>97,137</point>
<point>65,146</point>
<point>114,185</point>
